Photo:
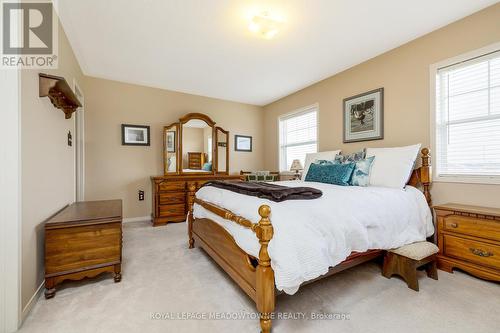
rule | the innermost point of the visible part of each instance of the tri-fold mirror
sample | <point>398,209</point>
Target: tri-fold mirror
<point>194,145</point>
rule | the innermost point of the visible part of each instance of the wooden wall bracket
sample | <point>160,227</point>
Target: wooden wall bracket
<point>57,89</point>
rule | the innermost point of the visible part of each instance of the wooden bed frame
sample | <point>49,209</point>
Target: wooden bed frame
<point>255,275</point>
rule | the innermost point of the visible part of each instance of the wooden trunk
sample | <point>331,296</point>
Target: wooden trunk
<point>83,240</point>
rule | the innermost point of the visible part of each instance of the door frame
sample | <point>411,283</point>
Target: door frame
<point>10,209</point>
<point>79,144</point>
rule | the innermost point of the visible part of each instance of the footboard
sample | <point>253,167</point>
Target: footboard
<point>254,275</point>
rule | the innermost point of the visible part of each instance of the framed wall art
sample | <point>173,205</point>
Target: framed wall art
<point>242,143</point>
<point>364,116</point>
<point>135,135</point>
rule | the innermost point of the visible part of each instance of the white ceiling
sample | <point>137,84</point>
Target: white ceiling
<point>203,47</point>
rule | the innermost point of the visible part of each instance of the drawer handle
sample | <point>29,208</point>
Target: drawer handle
<point>454,225</point>
<point>480,253</point>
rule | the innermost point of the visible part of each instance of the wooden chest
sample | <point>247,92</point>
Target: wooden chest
<point>469,239</point>
<point>170,195</point>
<point>83,240</point>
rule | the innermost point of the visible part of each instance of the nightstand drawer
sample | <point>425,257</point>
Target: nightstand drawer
<point>473,251</point>
<point>473,226</point>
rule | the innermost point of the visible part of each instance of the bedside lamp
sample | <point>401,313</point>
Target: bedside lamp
<point>296,166</point>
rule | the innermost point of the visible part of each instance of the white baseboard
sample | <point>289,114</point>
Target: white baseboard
<point>137,219</point>
<point>32,302</point>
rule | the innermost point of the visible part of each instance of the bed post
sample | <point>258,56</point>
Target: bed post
<point>190,200</point>
<point>426,174</point>
<point>264,274</point>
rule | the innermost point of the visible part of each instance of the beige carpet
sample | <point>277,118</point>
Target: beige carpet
<point>160,275</point>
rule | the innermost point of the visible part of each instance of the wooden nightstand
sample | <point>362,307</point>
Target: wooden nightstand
<point>469,239</point>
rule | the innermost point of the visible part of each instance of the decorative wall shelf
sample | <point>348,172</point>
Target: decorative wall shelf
<point>57,89</point>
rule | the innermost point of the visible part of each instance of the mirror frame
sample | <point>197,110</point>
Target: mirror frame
<point>183,120</point>
<point>217,128</point>
<point>164,153</point>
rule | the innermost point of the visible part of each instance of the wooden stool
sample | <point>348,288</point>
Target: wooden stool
<point>405,260</point>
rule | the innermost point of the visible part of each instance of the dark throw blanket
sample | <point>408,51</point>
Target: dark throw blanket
<point>273,192</point>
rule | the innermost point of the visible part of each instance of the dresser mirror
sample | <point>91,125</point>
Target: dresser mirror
<point>222,147</point>
<point>196,146</point>
<point>170,148</point>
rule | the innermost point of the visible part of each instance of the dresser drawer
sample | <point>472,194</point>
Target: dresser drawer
<point>172,210</point>
<point>473,226</point>
<point>477,252</point>
<point>172,186</point>
<point>172,198</point>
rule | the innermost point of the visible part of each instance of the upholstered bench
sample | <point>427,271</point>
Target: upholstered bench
<point>405,260</point>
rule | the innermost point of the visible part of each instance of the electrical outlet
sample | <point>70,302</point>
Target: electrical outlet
<point>141,195</point>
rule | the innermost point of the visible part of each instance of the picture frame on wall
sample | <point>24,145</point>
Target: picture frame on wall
<point>170,141</point>
<point>135,135</point>
<point>364,116</point>
<point>243,143</point>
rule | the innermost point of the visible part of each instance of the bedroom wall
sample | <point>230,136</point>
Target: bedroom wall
<point>48,165</point>
<point>404,74</point>
<point>116,171</point>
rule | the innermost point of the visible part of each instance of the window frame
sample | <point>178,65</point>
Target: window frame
<point>433,71</point>
<point>295,113</point>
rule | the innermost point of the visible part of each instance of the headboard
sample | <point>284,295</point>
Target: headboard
<point>423,176</point>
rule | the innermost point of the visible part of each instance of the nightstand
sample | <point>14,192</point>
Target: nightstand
<point>469,239</point>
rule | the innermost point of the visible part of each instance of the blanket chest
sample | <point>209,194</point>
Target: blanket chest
<point>83,240</point>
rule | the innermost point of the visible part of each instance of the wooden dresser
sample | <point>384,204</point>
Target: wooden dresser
<point>196,160</point>
<point>83,240</point>
<point>469,239</point>
<point>170,195</point>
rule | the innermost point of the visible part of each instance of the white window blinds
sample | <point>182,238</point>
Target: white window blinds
<point>298,136</point>
<point>468,118</point>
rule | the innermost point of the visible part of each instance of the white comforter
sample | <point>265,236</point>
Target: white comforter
<point>312,235</point>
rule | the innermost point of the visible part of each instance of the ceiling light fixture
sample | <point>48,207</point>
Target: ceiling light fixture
<point>265,25</point>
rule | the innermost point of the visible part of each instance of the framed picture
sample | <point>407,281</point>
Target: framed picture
<point>364,116</point>
<point>242,143</point>
<point>135,135</point>
<point>170,141</point>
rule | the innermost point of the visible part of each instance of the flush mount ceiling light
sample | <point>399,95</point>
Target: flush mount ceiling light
<point>266,25</point>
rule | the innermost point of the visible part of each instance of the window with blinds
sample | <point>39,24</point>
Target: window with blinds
<point>468,118</point>
<point>298,134</point>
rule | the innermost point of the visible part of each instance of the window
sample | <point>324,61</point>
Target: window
<point>468,119</point>
<point>298,135</point>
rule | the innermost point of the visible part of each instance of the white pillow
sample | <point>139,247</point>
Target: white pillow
<point>324,155</point>
<point>392,167</point>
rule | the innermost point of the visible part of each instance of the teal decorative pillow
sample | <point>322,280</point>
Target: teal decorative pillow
<point>361,173</point>
<point>337,174</point>
<point>207,167</point>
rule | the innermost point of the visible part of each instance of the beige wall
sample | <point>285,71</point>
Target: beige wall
<point>116,171</point>
<point>404,74</point>
<point>48,174</point>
